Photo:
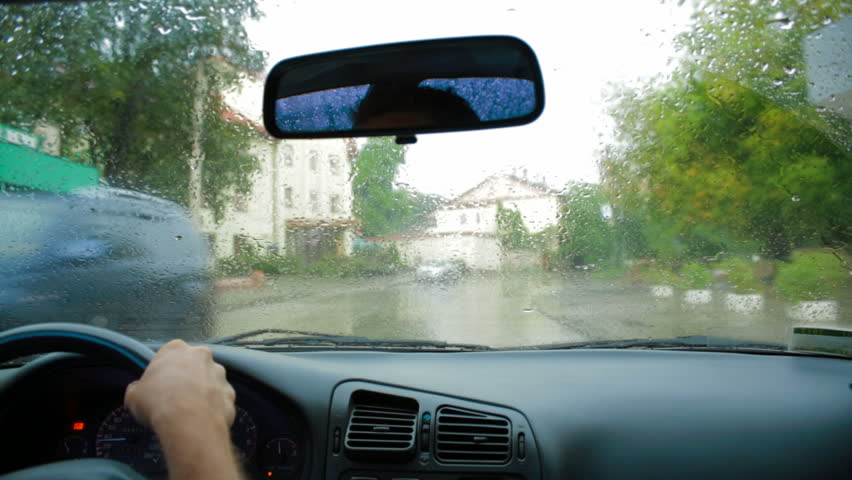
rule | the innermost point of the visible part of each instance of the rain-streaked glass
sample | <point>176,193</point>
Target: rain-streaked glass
<point>691,174</point>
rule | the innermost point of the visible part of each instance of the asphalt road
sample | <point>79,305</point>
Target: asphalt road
<point>494,310</point>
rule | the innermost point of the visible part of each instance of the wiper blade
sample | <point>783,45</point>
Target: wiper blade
<point>427,345</point>
<point>700,343</point>
<point>693,342</point>
<point>300,338</point>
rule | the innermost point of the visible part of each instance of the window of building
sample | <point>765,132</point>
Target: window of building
<point>314,202</point>
<point>287,155</point>
<point>477,219</point>
<point>241,244</point>
<point>288,197</point>
<point>334,164</point>
<point>463,219</point>
<point>335,203</point>
<point>240,201</point>
<point>313,160</point>
<point>210,239</point>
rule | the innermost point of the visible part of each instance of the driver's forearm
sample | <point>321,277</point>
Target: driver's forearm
<point>198,450</point>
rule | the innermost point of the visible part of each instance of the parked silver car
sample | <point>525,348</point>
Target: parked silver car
<point>440,271</point>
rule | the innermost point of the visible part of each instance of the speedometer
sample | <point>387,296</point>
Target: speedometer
<point>120,437</point>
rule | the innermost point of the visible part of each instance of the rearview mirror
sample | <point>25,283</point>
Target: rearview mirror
<point>404,89</point>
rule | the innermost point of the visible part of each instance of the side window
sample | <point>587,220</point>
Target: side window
<point>287,155</point>
<point>210,242</point>
<point>314,202</point>
<point>241,202</point>
<point>334,164</point>
<point>241,244</point>
<point>210,238</point>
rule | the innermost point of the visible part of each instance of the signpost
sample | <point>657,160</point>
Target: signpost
<point>19,137</point>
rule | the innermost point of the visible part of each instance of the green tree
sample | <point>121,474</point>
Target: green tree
<point>382,206</point>
<point>120,80</point>
<point>728,153</point>
<point>584,235</point>
<point>512,233</point>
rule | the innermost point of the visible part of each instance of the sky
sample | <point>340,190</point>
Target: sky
<point>582,48</point>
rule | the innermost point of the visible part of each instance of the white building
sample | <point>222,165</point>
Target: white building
<point>476,209</point>
<point>466,228</point>
<point>301,198</point>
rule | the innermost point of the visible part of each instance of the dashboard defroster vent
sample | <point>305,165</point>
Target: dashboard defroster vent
<point>381,430</point>
<point>468,436</point>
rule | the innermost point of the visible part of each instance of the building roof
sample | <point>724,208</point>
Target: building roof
<point>460,202</point>
<point>228,114</point>
<point>415,236</point>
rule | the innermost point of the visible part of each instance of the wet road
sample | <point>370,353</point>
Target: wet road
<point>494,310</point>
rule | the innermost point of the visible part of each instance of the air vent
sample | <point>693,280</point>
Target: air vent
<point>381,427</point>
<point>468,436</point>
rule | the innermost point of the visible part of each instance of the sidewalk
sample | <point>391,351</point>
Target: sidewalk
<point>281,289</point>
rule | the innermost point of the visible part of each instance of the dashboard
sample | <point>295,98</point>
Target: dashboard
<point>367,415</point>
<point>76,411</point>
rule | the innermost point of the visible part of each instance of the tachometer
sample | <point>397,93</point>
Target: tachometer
<point>120,437</point>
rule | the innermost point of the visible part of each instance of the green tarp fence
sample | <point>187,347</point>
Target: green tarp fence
<point>25,167</point>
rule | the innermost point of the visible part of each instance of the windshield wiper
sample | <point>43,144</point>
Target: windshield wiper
<point>702,343</point>
<point>290,339</point>
<point>691,341</point>
<point>239,338</point>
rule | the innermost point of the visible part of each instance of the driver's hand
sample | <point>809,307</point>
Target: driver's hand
<point>181,384</point>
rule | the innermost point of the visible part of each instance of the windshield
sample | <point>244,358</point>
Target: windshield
<point>691,175</point>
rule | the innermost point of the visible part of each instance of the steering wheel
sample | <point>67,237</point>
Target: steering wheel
<point>94,342</point>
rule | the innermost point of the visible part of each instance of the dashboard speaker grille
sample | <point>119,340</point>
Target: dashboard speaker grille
<point>468,436</point>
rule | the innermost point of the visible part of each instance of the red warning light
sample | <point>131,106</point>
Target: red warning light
<point>78,426</point>
<point>268,474</point>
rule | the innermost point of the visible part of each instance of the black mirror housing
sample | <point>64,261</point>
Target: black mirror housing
<point>404,89</point>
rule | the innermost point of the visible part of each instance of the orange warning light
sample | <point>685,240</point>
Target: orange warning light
<point>78,426</point>
<point>268,474</point>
